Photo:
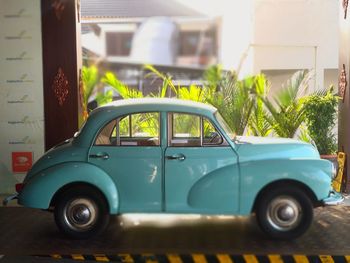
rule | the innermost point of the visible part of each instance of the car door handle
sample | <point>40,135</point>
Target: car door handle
<point>103,156</point>
<point>179,157</point>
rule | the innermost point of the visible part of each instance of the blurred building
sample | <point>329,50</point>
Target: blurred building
<point>274,37</point>
<point>122,36</point>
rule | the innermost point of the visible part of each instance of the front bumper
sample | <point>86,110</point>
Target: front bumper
<point>9,198</point>
<point>334,198</point>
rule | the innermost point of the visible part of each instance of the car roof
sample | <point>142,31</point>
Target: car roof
<point>159,104</point>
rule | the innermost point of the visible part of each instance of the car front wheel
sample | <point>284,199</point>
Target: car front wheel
<point>284,213</point>
<point>81,213</point>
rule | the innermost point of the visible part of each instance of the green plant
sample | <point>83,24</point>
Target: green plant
<point>124,91</point>
<point>232,97</point>
<point>90,79</point>
<point>321,114</point>
<point>287,108</point>
<point>258,124</point>
<point>103,98</point>
<point>91,82</point>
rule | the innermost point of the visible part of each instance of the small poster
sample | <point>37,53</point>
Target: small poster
<point>22,162</point>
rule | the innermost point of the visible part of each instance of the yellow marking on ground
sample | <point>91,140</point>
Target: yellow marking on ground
<point>101,258</point>
<point>300,259</point>
<point>347,258</point>
<point>275,258</point>
<point>56,256</point>
<point>250,259</point>
<point>199,258</point>
<point>173,258</point>
<point>126,258</point>
<point>150,258</point>
<point>224,258</point>
<point>326,259</point>
<point>77,257</point>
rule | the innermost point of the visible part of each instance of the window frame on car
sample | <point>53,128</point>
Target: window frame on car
<point>116,127</point>
<point>170,127</point>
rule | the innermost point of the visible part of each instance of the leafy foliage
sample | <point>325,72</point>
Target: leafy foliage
<point>287,108</point>
<point>90,79</point>
<point>125,92</point>
<point>244,104</point>
<point>258,124</point>
<point>103,98</point>
<point>321,113</point>
<point>233,99</point>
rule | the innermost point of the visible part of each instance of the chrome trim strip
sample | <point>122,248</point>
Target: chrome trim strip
<point>9,198</point>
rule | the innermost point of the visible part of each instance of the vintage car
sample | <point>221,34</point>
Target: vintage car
<point>175,156</point>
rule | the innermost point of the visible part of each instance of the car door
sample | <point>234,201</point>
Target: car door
<point>201,169</point>
<point>128,149</point>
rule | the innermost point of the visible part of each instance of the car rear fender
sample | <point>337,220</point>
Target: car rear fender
<point>41,188</point>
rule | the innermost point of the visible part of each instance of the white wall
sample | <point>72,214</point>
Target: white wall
<point>237,36</point>
<point>21,90</point>
<point>296,34</point>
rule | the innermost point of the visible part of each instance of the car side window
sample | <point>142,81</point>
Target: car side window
<point>189,130</point>
<point>139,129</point>
<point>210,134</point>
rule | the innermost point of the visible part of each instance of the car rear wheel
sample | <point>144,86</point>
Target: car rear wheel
<point>284,213</point>
<point>81,212</point>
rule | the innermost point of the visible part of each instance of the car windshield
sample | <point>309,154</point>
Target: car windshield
<point>225,126</point>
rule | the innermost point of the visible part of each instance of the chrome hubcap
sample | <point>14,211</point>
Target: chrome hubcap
<point>284,213</point>
<point>80,214</point>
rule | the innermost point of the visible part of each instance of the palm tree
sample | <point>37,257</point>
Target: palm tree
<point>233,98</point>
<point>258,125</point>
<point>287,108</point>
<point>124,91</point>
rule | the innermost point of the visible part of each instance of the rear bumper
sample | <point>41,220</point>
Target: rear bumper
<point>334,198</point>
<point>9,198</point>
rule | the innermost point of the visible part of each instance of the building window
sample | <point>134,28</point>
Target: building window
<point>118,43</point>
<point>189,41</point>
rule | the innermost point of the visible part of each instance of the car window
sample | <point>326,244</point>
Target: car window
<point>189,130</point>
<point>139,129</point>
<point>225,126</point>
<point>210,135</point>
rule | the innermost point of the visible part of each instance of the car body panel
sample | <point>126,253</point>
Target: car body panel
<point>41,188</point>
<point>203,182</point>
<point>65,152</point>
<point>138,173</point>
<point>255,175</point>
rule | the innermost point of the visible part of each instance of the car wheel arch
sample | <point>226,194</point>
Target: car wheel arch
<point>290,183</point>
<point>68,186</point>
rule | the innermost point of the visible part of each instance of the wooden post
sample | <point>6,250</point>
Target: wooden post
<point>61,67</point>
<point>344,105</point>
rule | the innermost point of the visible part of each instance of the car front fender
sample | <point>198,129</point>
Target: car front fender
<point>40,189</point>
<point>256,175</point>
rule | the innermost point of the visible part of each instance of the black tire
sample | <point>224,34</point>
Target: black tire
<point>81,212</point>
<point>284,212</point>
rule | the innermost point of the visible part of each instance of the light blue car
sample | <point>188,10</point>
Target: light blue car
<point>174,156</point>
